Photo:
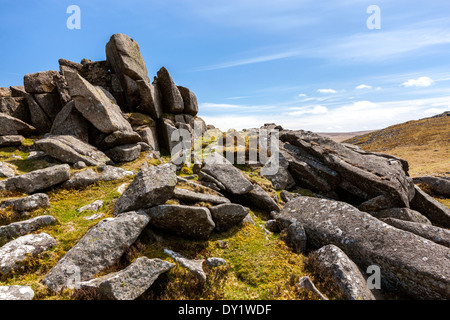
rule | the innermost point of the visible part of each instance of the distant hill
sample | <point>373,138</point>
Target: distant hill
<point>424,143</point>
<point>341,136</point>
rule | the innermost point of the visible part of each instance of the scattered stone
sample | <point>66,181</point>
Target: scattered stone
<point>95,216</point>
<point>272,226</point>
<point>39,179</point>
<point>86,177</point>
<point>16,293</point>
<point>410,264</point>
<point>7,170</point>
<point>94,206</point>
<point>11,141</point>
<point>194,266</point>
<point>295,237</point>
<point>435,211</point>
<point>122,188</point>
<point>306,284</point>
<point>79,165</point>
<point>331,262</point>
<point>435,234</point>
<point>286,196</point>
<point>151,187</point>
<point>228,215</point>
<point>214,262</point>
<point>21,228</point>
<point>187,221</point>
<point>36,155</point>
<point>191,196</point>
<point>129,283</point>
<point>100,248</point>
<point>17,251</point>
<point>30,203</point>
<point>260,199</point>
<point>221,169</point>
<point>69,149</point>
<point>125,153</point>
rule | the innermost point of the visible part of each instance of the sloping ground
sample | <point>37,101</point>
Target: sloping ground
<point>260,265</point>
<point>424,143</point>
<point>342,136</point>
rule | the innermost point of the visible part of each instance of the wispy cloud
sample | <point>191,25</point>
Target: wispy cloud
<point>253,60</point>
<point>363,86</point>
<point>326,91</point>
<point>420,82</point>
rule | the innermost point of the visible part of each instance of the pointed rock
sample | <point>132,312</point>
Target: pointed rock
<point>171,96</point>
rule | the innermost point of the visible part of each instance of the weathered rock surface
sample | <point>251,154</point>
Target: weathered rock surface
<point>11,141</point>
<point>331,262</point>
<point>49,103</point>
<point>152,186</point>
<point>435,211</point>
<point>410,264</point>
<point>100,248</point>
<point>192,196</point>
<point>435,234</point>
<point>119,138</point>
<point>16,107</point>
<point>6,170</point>
<point>261,199</point>
<point>188,221</point>
<point>194,266</point>
<point>326,166</point>
<point>437,185</point>
<point>22,228</point>
<point>377,203</point>
<point>13,126</point>
<point>30,203</point>
<point>124,153</point>
<point>17,251</point>
<point>41,82</point>
<point>282,178</point>
<point>124,56</point>
<point>69,121</point>
<point>228,215</point>
<point>5,92</point>
<point>295,237</point>
<point>402,214</point>
<point>89,176</point>
<point>171,96</point>
<point>151,100</point>
<point>221,169</point>
<point>129,283</point>
<point>215,262</point>
<point>69,149</point>
<point>39,179</point>
<point>190,101</point>
<point>95,105</point>
<point>16,293</point>
<point>94,206</point>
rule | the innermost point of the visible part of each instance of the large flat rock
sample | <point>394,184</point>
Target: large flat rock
<point>409,263</point>
<point>100,248</point>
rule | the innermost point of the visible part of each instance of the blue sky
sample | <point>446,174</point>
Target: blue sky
<point>300,63</point>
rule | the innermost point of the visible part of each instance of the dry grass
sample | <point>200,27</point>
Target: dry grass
<point>425,144</point>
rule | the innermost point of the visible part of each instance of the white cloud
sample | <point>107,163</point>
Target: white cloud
<point>318,109</point>
<point>420,82</point>
<point>326,91</point>
<point>434,111</point>
<point>363,86</point>
<point>302,95</point>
